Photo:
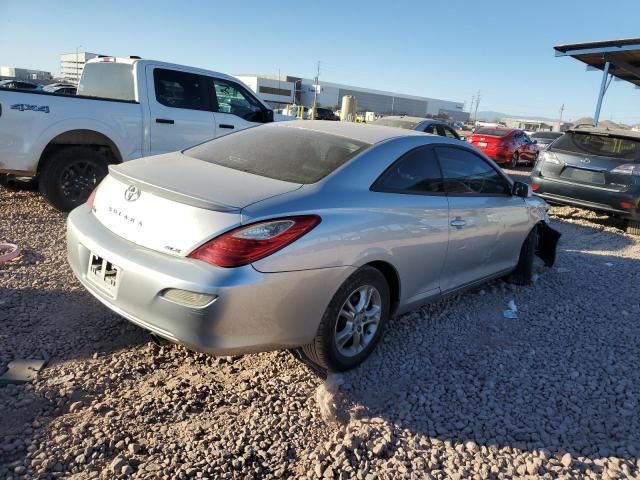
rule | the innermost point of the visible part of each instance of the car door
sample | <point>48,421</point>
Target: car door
<point>487,223</point>
<point>179,110</point>
<point>235,107</point>
<point>530,148</point>
<point>411,194</point>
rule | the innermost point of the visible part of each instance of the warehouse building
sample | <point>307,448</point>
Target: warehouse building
<point>281,91</point>
<point>25,74</point>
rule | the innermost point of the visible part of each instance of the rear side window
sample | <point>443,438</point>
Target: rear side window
<point>465,173</point>
<point>415,172</point>
<point>606,146</point>
<point>283,153</point>
<point>180,89</point>
<point>108,80</point>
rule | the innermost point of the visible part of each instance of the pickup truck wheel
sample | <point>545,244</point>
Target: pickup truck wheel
<point>353,322</point>
<point>70,175</point>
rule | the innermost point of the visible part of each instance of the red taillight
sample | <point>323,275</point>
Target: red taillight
<point>626,205</point>
<point>534,186</point>
<point>250,243</point>
<point>92,197</point>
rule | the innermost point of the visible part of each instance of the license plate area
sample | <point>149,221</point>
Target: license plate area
<point>583,176</point>
<point>103,274</point>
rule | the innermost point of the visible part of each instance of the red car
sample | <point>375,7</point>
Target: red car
<point>507,146</point>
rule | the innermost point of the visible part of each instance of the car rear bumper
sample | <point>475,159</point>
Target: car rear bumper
<point>592,198</point>
<point>252,311</point>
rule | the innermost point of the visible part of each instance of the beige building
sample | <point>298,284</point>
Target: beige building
<point>71,65</point>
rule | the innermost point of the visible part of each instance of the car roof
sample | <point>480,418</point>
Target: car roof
<point>356,131</point>
<point>413,119</point>
<point>619,132</point>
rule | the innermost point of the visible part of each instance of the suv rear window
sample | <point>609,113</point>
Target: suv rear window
<point>601,145</point>
<point>283,153</point>
<point>108,80</point>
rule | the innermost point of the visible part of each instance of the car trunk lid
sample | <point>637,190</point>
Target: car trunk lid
<point>592,158</point>
<point>590,170</point>
<point>173,203</point>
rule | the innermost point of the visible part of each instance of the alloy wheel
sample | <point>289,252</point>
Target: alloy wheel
<point>358,321</point>
<point>514,159</point>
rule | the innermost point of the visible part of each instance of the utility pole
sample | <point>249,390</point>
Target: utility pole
<point>560,118</point>
<point>315,93</point>
<point>475,115</point>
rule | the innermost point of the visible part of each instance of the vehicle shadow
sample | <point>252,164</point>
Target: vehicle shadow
<point>63,328</point>
<point>562,377</point>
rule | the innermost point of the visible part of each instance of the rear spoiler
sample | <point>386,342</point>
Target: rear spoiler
<point>181,197</point>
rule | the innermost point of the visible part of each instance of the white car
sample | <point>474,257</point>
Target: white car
<point>125,108</point>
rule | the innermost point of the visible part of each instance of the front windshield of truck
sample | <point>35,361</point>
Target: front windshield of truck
<point>108,80</point>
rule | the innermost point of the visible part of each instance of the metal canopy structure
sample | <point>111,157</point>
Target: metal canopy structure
<point>619,59</point>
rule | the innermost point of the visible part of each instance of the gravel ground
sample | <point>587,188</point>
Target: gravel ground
<point>453,391</point>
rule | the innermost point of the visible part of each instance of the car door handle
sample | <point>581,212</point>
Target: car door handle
<point>458,222</point>
<point>165,120</point>
<point>226,125</point>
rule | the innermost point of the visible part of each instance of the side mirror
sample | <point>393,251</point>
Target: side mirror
<point>534,141</point>
<point>521,189</point>
<point>463,138</point>
<point>267,116</point>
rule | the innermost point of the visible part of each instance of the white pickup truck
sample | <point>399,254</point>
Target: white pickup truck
<point>125,108</point>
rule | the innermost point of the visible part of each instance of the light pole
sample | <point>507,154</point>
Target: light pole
<point>77,74</point>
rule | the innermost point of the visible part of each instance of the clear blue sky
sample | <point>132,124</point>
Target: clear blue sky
<point>445,49</point>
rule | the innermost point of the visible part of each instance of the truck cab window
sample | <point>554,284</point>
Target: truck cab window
<point>235,100</point>
<point>180,89</point>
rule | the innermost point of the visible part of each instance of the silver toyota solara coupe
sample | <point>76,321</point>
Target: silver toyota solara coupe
<point>301,235</point>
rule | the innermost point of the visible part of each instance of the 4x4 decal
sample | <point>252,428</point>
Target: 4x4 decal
<point>24,107</point>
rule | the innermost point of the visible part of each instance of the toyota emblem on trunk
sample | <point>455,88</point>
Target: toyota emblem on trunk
<point>132,193</point>
<point>585,160</point>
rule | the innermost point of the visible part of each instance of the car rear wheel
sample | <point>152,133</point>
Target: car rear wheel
<point>633,227</point>
<point>70,175</point>
<point>353,322</point>
<point>515,158</point>
<point>524,269</point>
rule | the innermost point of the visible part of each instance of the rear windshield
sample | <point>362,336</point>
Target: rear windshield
<point>604,146</point>
<point>492,132</point>
<point>549,135</point>
<point>283,153</point>
<point>108,80</point>
<point>394,122</point>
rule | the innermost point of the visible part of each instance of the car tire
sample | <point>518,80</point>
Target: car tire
<point>325,350</point>
<point>633,227</point>
<point>70,175</point>
<point>514,159</point>
<point>523,272</point>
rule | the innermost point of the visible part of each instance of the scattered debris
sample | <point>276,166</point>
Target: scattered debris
<point>22,371</point>
<point>8,251</point>
<point>562,270</point>
<point>609,264</point>
<point>534,278</point>
<point>512,310</point>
